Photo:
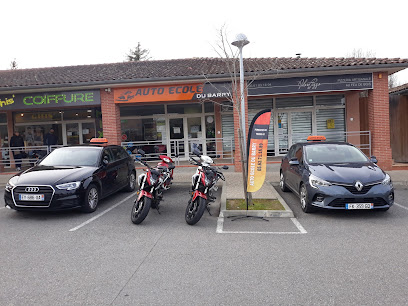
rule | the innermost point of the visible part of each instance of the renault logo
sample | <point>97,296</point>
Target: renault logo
<point>359,186</point>
<point>32,189</point>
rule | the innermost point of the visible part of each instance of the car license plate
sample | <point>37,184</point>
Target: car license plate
<point>31,197</point>
<point>360,206</point>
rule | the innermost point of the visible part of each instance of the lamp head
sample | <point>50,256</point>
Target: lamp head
<point>240,40</point>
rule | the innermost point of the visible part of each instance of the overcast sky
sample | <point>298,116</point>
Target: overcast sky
<point>48,33</point>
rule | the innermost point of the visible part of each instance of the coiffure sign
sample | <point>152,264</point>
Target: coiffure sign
<point>184,92</point>
<point>311,84</point>
<point>39,101</point>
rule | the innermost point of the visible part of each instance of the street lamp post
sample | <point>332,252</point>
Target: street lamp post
<point>240,41</point>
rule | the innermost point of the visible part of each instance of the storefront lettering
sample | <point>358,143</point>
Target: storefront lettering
<point>7,101</point>
<point>62,98</point>
<point>305,83</point>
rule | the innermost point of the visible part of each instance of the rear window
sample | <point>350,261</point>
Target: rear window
<point>333,154</point>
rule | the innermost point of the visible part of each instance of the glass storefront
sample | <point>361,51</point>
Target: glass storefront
<point>169,129</point>
<point>293,119</point>
<point>71,127</point>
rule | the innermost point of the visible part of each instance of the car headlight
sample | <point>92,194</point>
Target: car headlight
<point>9,186</point>
<point>69,186</point>
<point>317,182</point>
<point>387,180</point>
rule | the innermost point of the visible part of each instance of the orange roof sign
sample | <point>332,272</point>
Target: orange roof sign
<point>99,141</point>
<point>316,138</point>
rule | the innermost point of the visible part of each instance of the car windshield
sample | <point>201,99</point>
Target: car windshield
<point>71,156</point>
<point>333,154</point>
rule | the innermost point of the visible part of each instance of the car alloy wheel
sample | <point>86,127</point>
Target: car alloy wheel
<point>93,197</point>
<point>282,184</point>
<point>304,201</point>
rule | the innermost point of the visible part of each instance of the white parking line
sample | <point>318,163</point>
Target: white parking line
<point>220,229</point>
<point>101,214</point>
<point>402,206</point>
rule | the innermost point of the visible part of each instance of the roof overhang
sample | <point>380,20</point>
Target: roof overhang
<point>277,74</point>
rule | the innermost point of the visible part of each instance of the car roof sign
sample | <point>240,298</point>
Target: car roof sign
<point>316,138</point>
<point>99,141</point>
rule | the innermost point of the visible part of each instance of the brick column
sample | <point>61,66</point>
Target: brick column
<point>237,153</point>
<point>379,120</point>
<point>110,118</point>
<point>353,116</point>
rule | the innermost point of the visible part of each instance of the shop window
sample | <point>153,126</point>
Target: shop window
<point>3,118</point>
<point>332,100</point>
<point>291,102</point>
<point>184,108</point>
<point>144,110</point>
<point>331,123</point>
<point>37,116</point>
<point>78,114</point>
<point>144,129</point>
<point>209,107</point>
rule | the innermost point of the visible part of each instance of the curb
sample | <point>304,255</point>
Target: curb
<point>287,213</point>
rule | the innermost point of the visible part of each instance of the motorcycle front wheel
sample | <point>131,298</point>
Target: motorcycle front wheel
<point>140,210</point>
<point>195,210</point>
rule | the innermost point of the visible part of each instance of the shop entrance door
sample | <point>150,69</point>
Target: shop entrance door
<point>292,127</point>
<point>72,134</point>
<point>186,134</point>
<point>177,140</point>
<point>194,134</point>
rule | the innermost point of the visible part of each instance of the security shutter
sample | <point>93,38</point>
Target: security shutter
<point>227,121</point>
<point>301,126</point>
<point>324,120</point>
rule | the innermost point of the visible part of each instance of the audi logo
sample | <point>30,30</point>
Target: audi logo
<point>32,189</point>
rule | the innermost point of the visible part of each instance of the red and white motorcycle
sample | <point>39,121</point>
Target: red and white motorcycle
<point>204,183</point>
<point>151,186</point>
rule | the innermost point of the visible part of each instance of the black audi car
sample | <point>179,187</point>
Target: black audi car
<point>335,175</point>
<point>72,177</point>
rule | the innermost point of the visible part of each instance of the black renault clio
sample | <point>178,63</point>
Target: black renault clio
<point>335,175</point>
<point>72,177</point>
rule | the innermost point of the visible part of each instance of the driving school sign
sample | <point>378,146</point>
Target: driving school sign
<point>38,101</point>
<point>180,92</point>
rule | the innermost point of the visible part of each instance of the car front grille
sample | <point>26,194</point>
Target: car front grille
<point>47,191</point>
<point>353,189</point>
<point>343,202</point>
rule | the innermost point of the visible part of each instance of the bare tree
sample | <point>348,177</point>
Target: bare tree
<point>392,81</point>
<point>230,57</point>
<point>13,64</point>
<point>359,53</point>
<point>138,54</point>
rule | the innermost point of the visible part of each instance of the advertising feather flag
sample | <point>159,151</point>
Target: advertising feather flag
<point>257,149</point>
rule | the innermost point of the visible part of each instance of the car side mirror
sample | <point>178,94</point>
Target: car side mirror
<point>105,161</point>
<point>374,159</point>
<point>225,167</point>
<point>294,162</point>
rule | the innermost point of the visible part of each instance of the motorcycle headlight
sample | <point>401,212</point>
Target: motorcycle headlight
<point>387,180</point>
<point>69,186</point>
<point>317,182</point>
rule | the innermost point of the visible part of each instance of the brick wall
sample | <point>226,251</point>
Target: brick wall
<point>110,118</point>
<point>379,120</point>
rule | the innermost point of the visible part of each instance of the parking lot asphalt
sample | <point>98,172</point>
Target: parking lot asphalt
<point>70,258</point>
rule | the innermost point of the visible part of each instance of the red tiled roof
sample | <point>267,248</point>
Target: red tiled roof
<point>162,70</point>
